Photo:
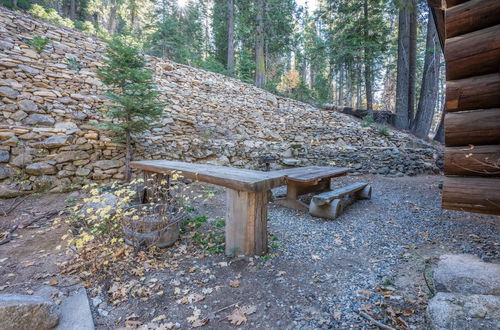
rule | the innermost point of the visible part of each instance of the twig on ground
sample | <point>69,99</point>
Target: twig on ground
<point>431,288</point>
<point>40,217</point>
<point>223,309</point>
<point>377,323</point>
<point>15,205</point>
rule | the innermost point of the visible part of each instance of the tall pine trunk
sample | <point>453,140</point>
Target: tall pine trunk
<point>128,156</point>
<point>341,86</point>
<point>358,87</point>
<point>430,80</point>
<point>413,63</point>
<point>403,109</point>
<point>367,60</point>
<point>72,9</point>
<point>260,61</point>
<point>440,130</point>
<point>230,37</point>
<point>348,84</point>
<point>112,17</point>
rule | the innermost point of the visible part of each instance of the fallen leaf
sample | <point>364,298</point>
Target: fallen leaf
<point>195,297</point>
<point>28,264</point>
<point>195,317</point>
<point>200,323</point>
<point>133,324</point>
<point>234,283</point>
<point>159,318</point>
<point>223,264</point>
<point>248,310</point>
<point>365,292</point>
<point>237,317</point>
<point>53,282</point>
<point>120,253</point>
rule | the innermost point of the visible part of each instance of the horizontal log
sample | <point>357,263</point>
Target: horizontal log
<point>472,127</point>
<point>452,3</point>
<point>473,54</point>
<point>472,16</point>
<point>472,194</point>
<point>481,92</point>
<point>473,160</point>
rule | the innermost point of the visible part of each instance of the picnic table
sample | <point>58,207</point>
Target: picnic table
<point>247,195</point>
<point>304,180</point>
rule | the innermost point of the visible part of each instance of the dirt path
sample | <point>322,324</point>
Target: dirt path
<point>318,274</point>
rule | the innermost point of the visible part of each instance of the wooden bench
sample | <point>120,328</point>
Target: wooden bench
<point>331,204</point>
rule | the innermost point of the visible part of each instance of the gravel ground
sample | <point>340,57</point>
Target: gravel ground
<point>323,273</point>
<point>383,240</point>
<point>318,273</point>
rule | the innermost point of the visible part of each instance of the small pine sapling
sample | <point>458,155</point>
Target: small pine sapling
<point>134,97</point>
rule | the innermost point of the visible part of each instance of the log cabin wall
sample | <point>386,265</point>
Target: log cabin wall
<point>470,33</point>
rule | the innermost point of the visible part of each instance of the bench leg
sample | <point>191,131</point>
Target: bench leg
<point>365,193</point>
<point>329,211</point>
<point>246,223</point>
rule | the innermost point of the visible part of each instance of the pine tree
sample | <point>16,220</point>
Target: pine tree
<point>133,95</point>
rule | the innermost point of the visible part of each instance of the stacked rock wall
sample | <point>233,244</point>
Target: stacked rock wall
<point>49,111</point>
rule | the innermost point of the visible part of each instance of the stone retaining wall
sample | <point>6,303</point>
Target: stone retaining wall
<point>48,115</point>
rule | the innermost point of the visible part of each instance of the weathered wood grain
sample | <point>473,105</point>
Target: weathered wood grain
<point>479,92</point>
<point>328,196</point>
<point>472,194</point>
<point>475,127</point>
<point>476,160</point>
<point>312,173</point>
<point>473,54</point>
<point>230,177</point>
<point>246,223</point>
<point>471,16</point>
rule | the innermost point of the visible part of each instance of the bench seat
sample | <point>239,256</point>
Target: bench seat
<point>331,204</point>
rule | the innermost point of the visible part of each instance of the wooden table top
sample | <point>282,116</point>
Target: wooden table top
<point>230,177</point>
<point>313,173</point>
<point>238,178</point>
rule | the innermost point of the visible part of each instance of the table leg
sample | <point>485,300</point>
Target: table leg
<point>246,223</point>
<point>294,189</point>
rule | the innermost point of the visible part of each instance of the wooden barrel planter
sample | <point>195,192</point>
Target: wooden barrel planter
<point>146,225</point>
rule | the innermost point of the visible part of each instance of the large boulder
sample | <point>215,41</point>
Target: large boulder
<point>467,274</point>
<point>21,312</point>
<point>463,312</point>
